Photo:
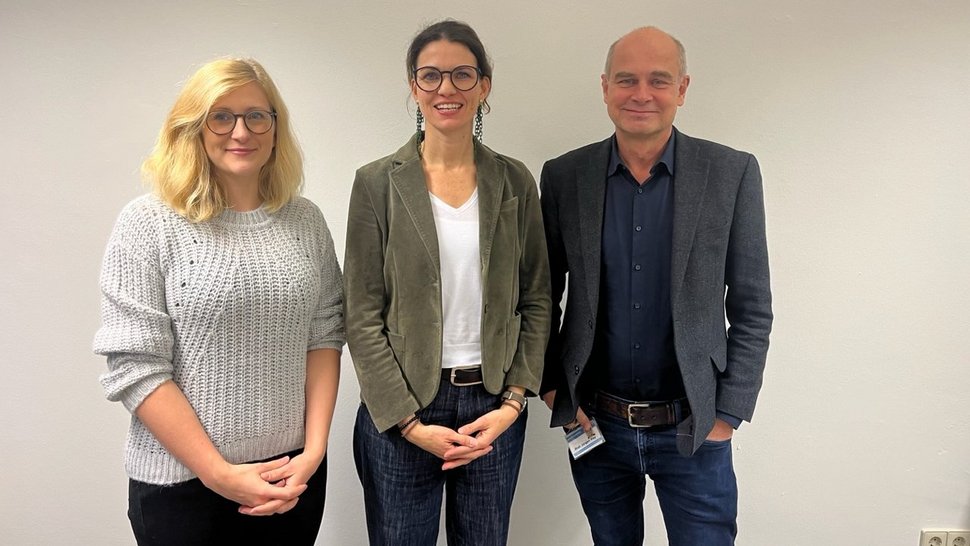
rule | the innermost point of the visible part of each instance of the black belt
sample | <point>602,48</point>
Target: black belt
<point>642,414</point>
<point>463,376</point>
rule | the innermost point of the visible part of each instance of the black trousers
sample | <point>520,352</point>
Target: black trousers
<point>189,513</point>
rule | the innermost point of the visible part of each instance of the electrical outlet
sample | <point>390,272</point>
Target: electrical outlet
<point>958,538</point>
<point>932,538</point>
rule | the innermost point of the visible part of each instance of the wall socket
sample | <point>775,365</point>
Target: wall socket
<point>958,538</point>
<point>944,537</point>
<point>932,538</point>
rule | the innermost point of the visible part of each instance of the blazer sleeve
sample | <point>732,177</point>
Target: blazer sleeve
<point>553,376</point>
<point>533,298</point>
<point>748,300</point>
<point>382,385</point>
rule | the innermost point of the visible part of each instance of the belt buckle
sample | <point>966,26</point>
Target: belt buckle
<point>454,372</point>
<point>629,414</point>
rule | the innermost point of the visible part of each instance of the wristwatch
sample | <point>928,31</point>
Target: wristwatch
<point>515,397</point>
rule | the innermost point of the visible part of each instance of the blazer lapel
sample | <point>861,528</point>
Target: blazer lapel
<point>590,199</point>
<point>407,179</point>
<point>690,182</point>
<point>490,176</point>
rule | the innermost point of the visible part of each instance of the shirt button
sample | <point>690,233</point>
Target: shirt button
<point>639,190</point>
<point>636,380</point>
<point>576,369</point>
<point>636,305</point>
<point>639,228</point>
<point>636,345</point>
<point>636,267</point>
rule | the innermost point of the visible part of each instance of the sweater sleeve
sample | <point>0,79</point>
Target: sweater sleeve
<point>327,325</point>
<point>136,330</point>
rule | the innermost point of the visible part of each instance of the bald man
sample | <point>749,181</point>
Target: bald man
<point>662,236</point>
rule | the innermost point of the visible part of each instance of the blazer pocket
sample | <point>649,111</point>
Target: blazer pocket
<point>506,239</point>
<point>724,226</point>
<point>715,237</point>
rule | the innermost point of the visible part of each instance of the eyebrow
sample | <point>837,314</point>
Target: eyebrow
<point>654,74</point>
<point>248,109</point>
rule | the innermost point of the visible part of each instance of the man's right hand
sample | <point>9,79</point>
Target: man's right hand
<point>581,420</point>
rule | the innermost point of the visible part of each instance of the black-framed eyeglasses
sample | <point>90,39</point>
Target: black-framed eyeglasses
<point>223,122</point>
<point>463,78</point>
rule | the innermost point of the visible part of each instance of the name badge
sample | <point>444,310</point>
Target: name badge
<point>580,442</point>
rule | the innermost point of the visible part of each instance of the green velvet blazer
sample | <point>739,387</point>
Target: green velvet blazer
<point>392,282</point>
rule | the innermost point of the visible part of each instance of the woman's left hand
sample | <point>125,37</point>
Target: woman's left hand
<point>296,472</point>
<point>485,429</point>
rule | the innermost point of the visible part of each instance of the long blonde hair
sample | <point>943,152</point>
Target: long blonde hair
<point>179,169</point>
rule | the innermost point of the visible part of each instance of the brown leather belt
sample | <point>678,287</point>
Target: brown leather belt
<point>642,414</point>
<point>463,376</point>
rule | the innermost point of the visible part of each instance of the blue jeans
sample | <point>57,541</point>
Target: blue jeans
<point>403,484</point>
<point>698,495</point>
<point>189,514</point>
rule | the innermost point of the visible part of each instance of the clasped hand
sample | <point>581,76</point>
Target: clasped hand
<point>263,489</point>
<point>469,442</point>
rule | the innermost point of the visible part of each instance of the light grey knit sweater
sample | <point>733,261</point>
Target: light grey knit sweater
<point>228,309</point>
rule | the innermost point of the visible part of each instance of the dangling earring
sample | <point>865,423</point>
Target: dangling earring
<point>420,119</point>
<point>479,132</point>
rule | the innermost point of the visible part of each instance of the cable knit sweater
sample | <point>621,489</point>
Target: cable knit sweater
<point>226,308</point>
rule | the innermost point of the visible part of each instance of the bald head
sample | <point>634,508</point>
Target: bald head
<point>648,37</point>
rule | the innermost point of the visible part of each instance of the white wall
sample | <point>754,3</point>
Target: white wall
<point>858,112</point>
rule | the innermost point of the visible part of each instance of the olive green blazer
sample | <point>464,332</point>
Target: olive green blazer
<point>392,282</point>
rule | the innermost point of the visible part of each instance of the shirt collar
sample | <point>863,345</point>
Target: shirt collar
<point>666,158</point>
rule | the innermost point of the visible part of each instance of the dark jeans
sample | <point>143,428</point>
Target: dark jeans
<point>698,494</point>
<point>189,513</point>
<point>403,484</point>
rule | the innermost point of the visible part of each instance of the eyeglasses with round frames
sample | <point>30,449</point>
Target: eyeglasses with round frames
<point>223,122</point>
<point>463,78</point>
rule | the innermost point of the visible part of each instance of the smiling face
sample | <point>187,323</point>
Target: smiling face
<point>644,86</point>
<point>238,157</point>
<point>448,110</point>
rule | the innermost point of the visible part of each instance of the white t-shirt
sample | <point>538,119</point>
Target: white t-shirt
<point>461,281</point>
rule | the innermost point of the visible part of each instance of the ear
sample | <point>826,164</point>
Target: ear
<point>486,87</point>
<point>682,89</point>
<point>414,94</point>
<point>605,84</point>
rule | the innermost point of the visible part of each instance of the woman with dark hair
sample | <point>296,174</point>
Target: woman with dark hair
<point>222,324</point>
<point>447,289</point>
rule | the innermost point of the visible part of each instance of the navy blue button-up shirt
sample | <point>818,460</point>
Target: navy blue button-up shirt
<point>635,339</point>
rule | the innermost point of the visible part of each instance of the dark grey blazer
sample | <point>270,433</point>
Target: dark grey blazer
<point>719,268</point>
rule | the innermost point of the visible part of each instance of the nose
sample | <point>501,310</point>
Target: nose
<point>240,131</point>
<point>447,86</point>
<point>643,92</point>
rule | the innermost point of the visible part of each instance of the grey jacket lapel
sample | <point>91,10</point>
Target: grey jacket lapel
<point>591,197</point>
<point>690,183</point>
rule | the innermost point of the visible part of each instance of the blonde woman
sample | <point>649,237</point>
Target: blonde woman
<point>222,323</point>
